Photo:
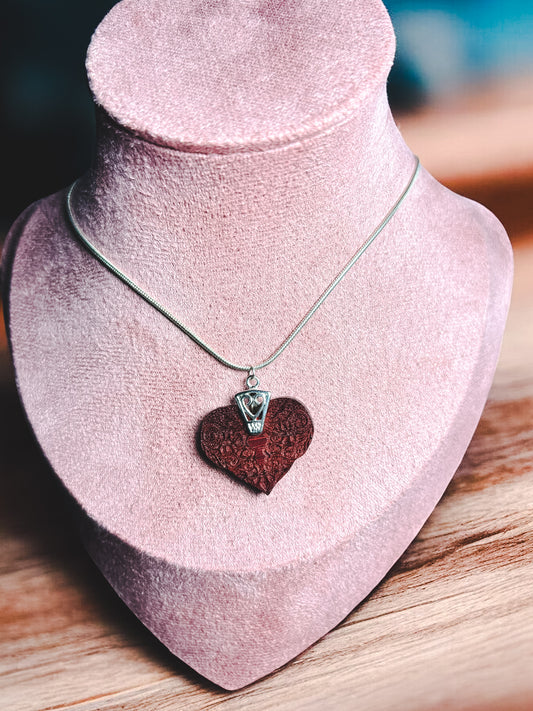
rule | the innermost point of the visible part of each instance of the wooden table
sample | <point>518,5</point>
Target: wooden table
<point>451,626</point>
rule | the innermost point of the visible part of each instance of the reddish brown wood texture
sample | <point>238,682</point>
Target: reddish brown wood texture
<point>258,460</point>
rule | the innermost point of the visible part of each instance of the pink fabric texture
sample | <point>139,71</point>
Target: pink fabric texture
<point>244,151</point>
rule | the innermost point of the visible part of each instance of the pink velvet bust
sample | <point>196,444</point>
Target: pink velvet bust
<point>244,151</point>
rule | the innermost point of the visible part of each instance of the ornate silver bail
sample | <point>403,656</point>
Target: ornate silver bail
<point>253,404</point>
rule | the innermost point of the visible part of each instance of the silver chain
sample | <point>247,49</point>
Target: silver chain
<point>251,369</point>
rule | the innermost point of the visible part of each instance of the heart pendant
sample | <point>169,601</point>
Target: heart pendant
<point>257,439</point>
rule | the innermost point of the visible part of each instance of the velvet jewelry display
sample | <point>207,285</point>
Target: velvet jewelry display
<point>244,149</point>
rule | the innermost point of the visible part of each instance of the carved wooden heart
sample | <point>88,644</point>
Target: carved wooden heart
<point>259,460</point>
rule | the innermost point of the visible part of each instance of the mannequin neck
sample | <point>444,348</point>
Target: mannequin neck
<point>151,199</point>
<point>213,236</point>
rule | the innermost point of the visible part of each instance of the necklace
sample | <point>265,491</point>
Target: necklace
<point>256,438</point>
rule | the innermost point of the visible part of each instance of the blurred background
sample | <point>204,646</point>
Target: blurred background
<point>461,88</point>
<point>446,47</point>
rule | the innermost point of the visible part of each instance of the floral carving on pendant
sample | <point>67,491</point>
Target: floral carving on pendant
<point>259,460</point>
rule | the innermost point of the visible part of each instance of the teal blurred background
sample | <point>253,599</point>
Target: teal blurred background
<point>444,47</point>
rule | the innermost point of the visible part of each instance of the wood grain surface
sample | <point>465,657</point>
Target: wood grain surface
<point>450,627</point>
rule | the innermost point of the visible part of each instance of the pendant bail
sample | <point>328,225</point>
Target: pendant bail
<point>252,381</point>
<point>253,404</point>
